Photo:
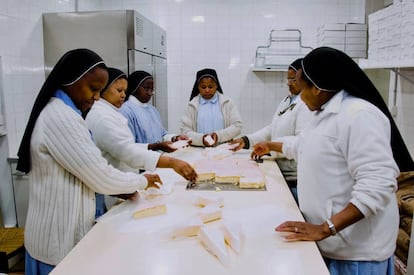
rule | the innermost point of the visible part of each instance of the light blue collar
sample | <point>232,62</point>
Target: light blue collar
<point>292,98</point>
<point>213,100</point>
<point>67,100</point>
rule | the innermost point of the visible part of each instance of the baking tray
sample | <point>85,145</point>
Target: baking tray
<point>219,186</point>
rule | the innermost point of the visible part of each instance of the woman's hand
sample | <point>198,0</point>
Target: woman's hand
<point>132,196</point>
<point>260,149</point>
<point>302,231</point>
<point>184,169</point>
<point>209,143</point>
<point>162,146</point>
<point>182,137</point>
<point>240,143</point>
<point>154,181</point>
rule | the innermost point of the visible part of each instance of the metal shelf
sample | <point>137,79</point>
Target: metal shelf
<point>368,64</point>
<point>283,47</point>
<point>270,69</point>
<point>374,64</point>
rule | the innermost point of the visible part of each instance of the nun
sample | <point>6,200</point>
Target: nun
<point>292,116</point>
<point>348,162</point>
<point>64,166</point>
<point>143,118</point>
<point>211,118</point>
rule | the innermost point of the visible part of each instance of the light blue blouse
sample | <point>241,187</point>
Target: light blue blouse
<point>144,121</point>
<point>209,115</point>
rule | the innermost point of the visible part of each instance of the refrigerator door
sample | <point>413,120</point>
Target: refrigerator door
<point>159,41</point>
<point>160,75</point>
<point>140,61</point>
<point>143,33</point>
<point>161,95</point>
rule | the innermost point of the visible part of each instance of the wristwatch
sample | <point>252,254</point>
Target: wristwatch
<point>331,227</point>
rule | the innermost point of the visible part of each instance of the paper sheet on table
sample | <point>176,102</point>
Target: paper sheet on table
<point>227,146</point>
<point>257,220</point>
<point>219,152</point>
<point>216,153</point>
<point>180,144</point>
<point>121,216</point>
<point>164,189</point>
<point>124,208</point>
<point>160,225</point>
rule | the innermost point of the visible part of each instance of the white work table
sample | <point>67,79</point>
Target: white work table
<point>118,244</point>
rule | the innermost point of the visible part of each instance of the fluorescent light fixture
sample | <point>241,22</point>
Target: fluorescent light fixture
<point>198,19</point>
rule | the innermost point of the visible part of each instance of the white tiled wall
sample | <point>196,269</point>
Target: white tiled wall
<point>224,35</point>
<point>21,51</point>
<point>21,48</point>
<point>221,34</point>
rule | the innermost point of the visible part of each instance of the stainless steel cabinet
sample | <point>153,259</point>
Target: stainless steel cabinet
<point>125,39</point>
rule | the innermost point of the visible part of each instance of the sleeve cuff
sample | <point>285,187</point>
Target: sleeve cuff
<point>246,142</point>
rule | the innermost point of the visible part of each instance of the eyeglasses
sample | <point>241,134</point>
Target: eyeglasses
<point>291,80</point>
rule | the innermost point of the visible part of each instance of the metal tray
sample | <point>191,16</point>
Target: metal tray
<point>216,186</point>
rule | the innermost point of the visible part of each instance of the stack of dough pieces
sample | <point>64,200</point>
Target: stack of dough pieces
<point>242,172</point>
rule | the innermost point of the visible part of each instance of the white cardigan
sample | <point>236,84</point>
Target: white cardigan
<point>112,135</point>
<point>67,169</point>
<point>232,121</point>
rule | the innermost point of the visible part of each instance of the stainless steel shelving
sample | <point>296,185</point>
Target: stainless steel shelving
<point>283,47</point>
